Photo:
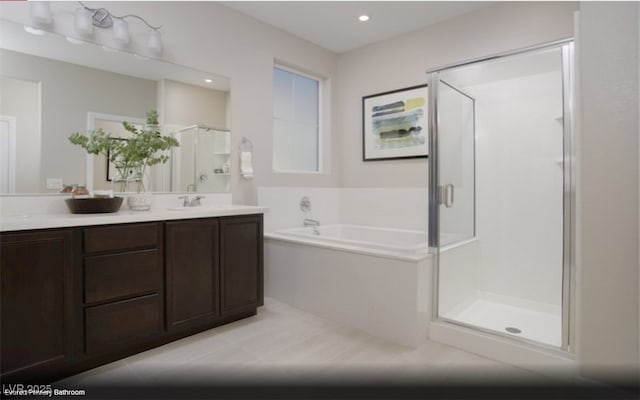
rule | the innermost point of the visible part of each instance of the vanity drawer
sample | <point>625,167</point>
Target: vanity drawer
<point>115,325</point>
<point>120,237</point>
<point>114,276</point>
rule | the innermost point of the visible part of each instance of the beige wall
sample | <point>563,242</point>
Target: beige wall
<point>608,295</point>
<point>21,99</point>
<point>204,106</point>
<point>402,62</point>
<point>68,93</point>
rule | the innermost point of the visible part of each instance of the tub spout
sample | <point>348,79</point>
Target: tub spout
<point>312,223</point>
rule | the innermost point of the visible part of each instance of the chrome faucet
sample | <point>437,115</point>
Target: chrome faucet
<point>191,202</point>
<point>312,223</point>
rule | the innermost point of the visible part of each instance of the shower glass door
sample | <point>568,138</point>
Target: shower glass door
<point>457,161</point>
<point>500,194</point>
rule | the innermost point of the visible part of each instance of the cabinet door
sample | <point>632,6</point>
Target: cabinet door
<point>192,269</point>
<point>36,284</point>
<point>241,263</point>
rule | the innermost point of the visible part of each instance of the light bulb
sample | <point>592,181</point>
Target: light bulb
<point>84,22</point>
<point>121,31</point>
<point>40,12</point>
<point>154,43</point>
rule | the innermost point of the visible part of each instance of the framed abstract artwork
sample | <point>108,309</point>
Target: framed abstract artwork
<point>394,124</point>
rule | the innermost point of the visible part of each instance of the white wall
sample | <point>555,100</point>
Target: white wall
<point>284,206</point>
<point>401,208</point>
<point>402,62</point>
<point>608,314</point>
<point>519,186</point>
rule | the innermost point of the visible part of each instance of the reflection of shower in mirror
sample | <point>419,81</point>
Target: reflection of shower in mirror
<point>202,161</point>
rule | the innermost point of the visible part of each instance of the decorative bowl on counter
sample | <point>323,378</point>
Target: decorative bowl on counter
<point>94,205</point>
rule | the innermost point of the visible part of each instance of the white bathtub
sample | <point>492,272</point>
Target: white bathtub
<point>374,279</point>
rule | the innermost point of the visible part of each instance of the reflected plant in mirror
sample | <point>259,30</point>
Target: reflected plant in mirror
<point>131,157</point>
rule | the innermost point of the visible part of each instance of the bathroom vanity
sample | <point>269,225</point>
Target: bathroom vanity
<point>82,291</point>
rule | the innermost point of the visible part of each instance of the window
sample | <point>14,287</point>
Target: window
<point>296,121</point>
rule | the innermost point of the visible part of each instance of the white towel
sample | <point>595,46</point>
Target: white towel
<point>246,168</point>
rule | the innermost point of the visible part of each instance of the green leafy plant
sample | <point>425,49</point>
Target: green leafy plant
<point>145,148</point>
<point>152,117</point>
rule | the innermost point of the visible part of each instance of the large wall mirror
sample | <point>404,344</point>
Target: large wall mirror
<point>51,87</point>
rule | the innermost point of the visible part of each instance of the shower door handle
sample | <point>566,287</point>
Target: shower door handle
<point>448,195</point>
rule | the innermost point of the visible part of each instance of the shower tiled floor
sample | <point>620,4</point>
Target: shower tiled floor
<point>282,342</point>
<point>541,325</point>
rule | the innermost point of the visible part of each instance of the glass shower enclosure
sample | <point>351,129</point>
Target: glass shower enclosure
<point>501,194</point>
<point>202,162</point>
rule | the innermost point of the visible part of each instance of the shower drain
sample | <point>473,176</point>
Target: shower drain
<point>511,329</point>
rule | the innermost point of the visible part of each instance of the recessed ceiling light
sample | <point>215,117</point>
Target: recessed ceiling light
<point>363,18</point>
<point>208,80</point>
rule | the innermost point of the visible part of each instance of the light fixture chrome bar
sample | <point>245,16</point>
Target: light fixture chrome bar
<point>103,18</point>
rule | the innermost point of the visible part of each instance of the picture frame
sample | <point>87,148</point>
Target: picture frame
<point>395,125</point>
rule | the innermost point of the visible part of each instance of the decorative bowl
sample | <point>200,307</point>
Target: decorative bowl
<point>94,205</point>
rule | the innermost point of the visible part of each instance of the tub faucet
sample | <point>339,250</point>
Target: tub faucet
<point>312,223</point>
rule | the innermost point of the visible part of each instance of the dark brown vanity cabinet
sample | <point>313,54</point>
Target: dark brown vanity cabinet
<point>76,298</point>
<point>122,286</point>
<point>213,269</point>
<point>36,278</point>
<point>241,272</point>
<point>192,264</point>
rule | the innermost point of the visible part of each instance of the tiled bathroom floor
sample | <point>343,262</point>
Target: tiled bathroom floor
<point>282,342</point>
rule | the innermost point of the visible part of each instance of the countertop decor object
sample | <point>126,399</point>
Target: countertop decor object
<point>94,205</point>
<point>132,157</point>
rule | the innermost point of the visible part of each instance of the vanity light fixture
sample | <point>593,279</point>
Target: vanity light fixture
<point>121,32</point>
<point>83,22</point>
<point>363,18</point>
<point>154,43</point>
<point>40,12</point>
<point>87,18</point>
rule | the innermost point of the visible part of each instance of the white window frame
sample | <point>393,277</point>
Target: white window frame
<point>321,83</point>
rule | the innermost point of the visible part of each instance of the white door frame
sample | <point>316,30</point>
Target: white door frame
<point>11,122</point>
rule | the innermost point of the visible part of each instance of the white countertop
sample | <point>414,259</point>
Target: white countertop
<point>20,222</point>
